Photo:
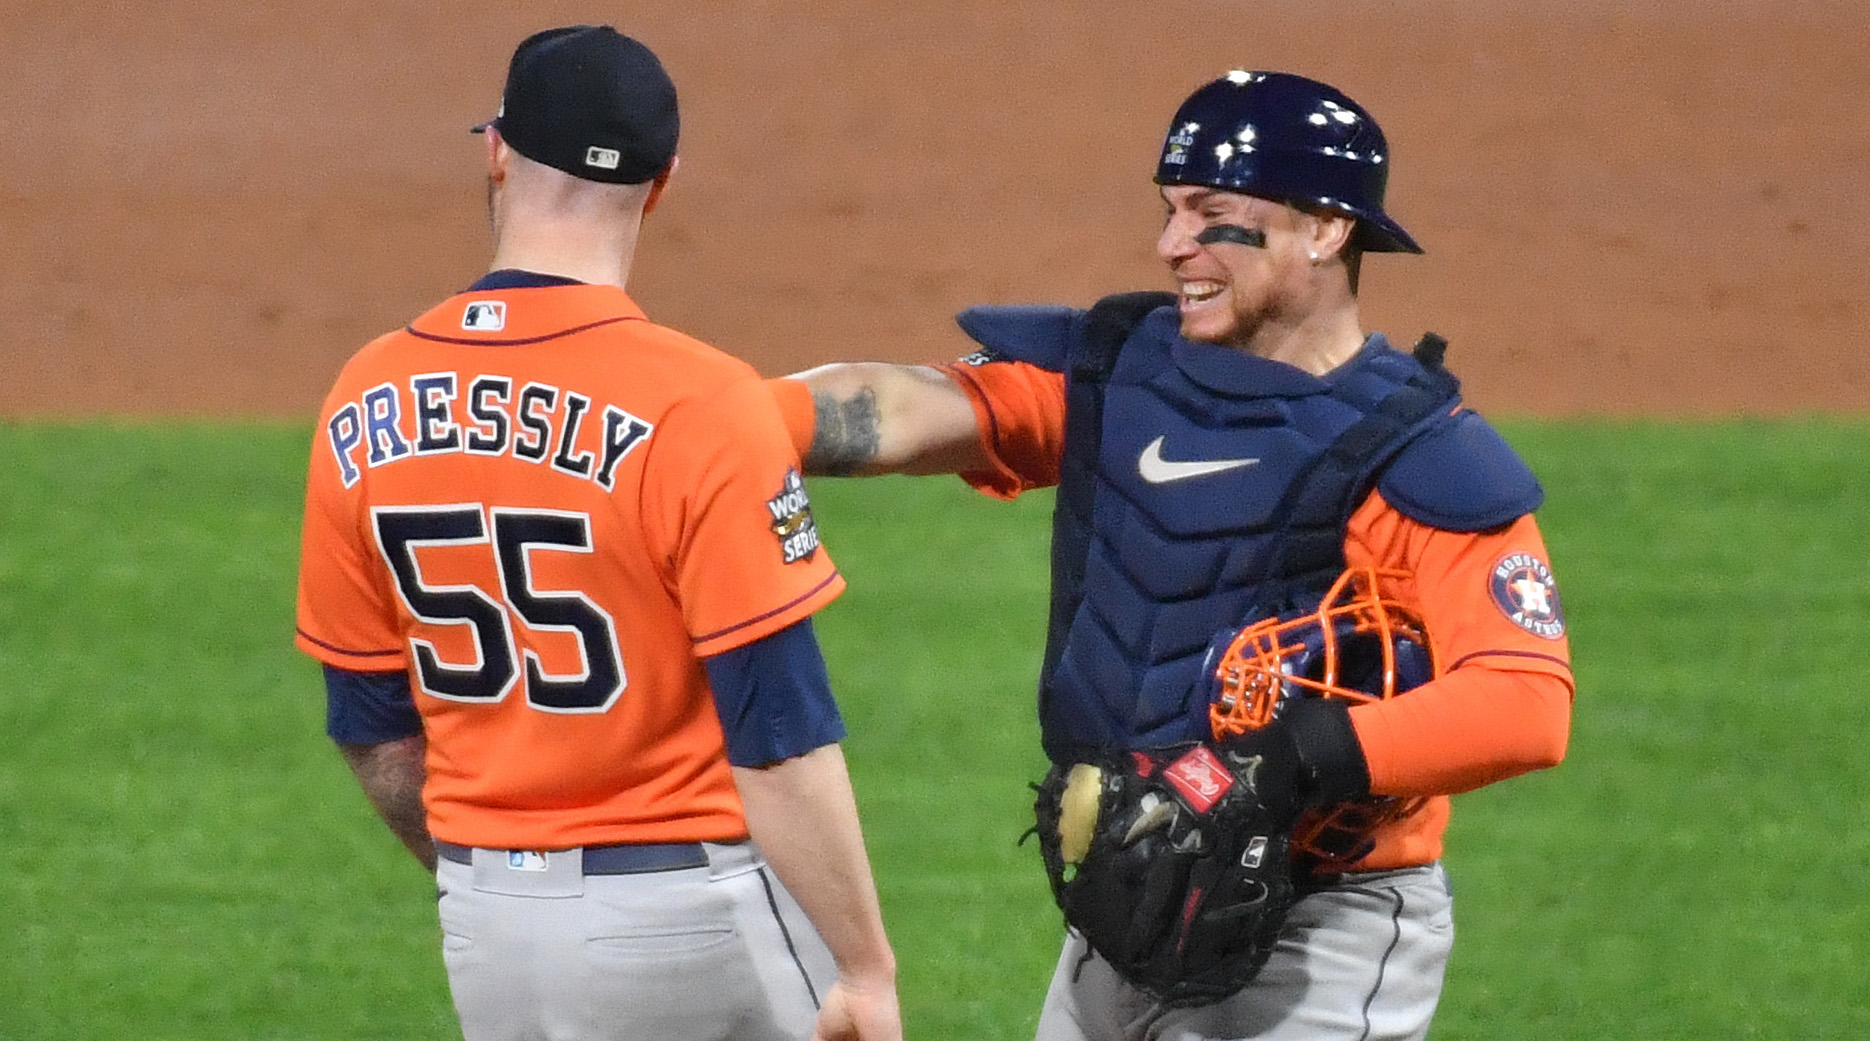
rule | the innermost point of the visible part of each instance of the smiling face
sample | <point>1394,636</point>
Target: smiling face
<point>1245,264</point>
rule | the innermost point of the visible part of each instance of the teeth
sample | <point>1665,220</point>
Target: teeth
<point>1198,292</point>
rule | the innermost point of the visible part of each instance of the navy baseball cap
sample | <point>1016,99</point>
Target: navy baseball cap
<point>590,101</point>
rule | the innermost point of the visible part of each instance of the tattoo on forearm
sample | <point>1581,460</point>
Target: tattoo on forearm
<point>847,436</point>
<point>391,776</point>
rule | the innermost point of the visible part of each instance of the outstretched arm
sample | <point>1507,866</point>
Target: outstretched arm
<point>876,418</point>
<point>803,816</point>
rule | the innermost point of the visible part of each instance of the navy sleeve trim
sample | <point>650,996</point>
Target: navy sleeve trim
<point>774,697</point>
<point>369,708</point>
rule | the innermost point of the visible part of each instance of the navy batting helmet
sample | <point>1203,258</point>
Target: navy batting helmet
<point>1288,138</point>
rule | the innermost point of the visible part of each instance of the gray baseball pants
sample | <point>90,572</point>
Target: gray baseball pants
<point>1362,960</point>
<point>539,947</point>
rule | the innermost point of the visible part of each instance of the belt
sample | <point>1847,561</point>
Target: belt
<point>622,859</point>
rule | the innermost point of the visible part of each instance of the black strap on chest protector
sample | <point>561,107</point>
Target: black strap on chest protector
<point>1308,549</point>
<point>1107,325</point>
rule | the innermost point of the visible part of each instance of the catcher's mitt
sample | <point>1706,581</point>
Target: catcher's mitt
<point>1169,865</point>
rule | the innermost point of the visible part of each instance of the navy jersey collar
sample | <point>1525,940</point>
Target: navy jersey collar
<point>513,278</point>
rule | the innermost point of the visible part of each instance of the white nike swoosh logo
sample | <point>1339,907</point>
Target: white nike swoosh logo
<point>1157,470</point>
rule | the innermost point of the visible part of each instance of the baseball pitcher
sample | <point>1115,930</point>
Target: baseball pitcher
<point>560,567</point>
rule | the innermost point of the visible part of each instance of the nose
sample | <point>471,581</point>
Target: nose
<point>1177,241</point>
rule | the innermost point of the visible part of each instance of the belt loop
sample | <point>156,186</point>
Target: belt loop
<point>727,859</point>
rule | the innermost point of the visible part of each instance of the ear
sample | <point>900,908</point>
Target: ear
<point>1330,233</point>
<point>497,152</point>
<point>662,181</point>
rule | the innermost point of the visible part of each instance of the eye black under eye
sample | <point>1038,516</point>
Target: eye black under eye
<point>1233,233</point>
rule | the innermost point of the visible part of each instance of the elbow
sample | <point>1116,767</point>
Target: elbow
<point>1548,737</point>
<point>879,417</point>
<point>1548,753</point>
<point>1559,696</point>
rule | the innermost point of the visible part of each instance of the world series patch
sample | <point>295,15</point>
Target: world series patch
<point>792,520</point>
<point>1524,591</point>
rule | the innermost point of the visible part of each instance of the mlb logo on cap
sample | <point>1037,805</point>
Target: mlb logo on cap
<point>602,158</point>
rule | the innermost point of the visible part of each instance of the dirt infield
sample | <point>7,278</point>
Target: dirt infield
<point>1629,206</point>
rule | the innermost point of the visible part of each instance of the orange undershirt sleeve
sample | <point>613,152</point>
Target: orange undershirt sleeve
<point>1502,706</point>
<point>1478,725</point>
<point>1020,411</point>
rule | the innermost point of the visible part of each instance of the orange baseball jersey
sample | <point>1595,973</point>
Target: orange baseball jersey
<point>1488,600</point>
<point>547,510</point>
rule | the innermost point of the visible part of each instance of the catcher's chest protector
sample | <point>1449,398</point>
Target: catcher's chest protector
<point>1212,481</point>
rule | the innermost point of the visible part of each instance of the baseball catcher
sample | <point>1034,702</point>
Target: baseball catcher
<point>1177,864</point>
<point>1221,456</point>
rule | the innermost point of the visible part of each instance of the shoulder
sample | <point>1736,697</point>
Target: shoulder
<point>371,364</point>
<point>702,363</point>
<point>657,370</point>
<point>1461,475</point>
<point>1051,336</point>
<point>1036,334</point>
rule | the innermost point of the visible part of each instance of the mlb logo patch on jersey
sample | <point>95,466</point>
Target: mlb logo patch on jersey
<point>526,860</point>
<point>484,316</point>
<point>1524,591</point>
<point>792,520</point>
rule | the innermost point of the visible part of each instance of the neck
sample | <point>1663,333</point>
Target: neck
<point>1311,350</point>
<point>1316,344</point>
<point>556,226</point>
<point>1315,329</point>
<point>584,253</point>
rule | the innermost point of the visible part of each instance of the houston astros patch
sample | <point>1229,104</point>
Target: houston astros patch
<point>1523,590</point>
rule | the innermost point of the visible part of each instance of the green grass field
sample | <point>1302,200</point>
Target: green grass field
<point>186,858</point>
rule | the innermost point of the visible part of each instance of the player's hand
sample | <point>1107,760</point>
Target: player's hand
<point>1267,759</point>
<point>857,1009</point>
<point>1306,756</point>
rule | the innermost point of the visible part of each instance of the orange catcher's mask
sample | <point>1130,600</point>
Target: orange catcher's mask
<point>1360,644</point>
